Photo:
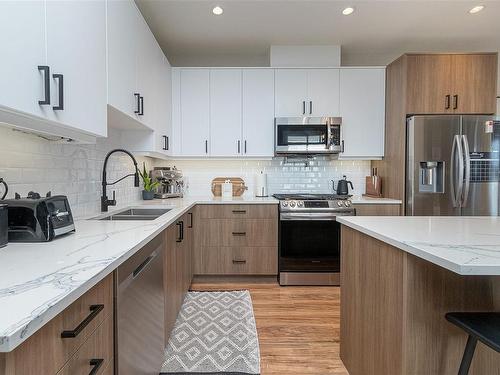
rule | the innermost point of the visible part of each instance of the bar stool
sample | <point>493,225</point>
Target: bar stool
<point>482,326</point>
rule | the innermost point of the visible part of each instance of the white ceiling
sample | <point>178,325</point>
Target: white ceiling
<point>376,33</point>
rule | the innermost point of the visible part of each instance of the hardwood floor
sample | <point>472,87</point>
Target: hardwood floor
<point>299,327</point>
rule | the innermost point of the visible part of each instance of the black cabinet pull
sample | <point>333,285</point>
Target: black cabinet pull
<point>46,84</point>
<point>239,234</point>
<point>245,146</point>
<point>342,146</point>
<point>182,230</point>
<point>165,142</point>
<point>206,147</point>
<point>455,101</point>
<point>60,79</point>
<point>94,311</point>
<point>190,219</point>
<point>235,261</point>
<point>96,364</point>
<point>310,107</point>
<point>447,102</point>
<point>141,105</point>
<point>179,237</point>
<point>239,143</point>
<point>304,107</point>
<point>138,105</point>
<point>239,211</point>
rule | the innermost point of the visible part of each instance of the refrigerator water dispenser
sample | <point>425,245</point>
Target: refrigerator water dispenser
<point>431,177</point>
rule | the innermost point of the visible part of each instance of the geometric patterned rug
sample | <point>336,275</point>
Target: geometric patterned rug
<point>215,333</point>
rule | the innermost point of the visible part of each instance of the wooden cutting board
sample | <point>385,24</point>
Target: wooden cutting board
<point>238,186</point>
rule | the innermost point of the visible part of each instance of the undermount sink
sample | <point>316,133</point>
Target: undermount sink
<point>136,214</point>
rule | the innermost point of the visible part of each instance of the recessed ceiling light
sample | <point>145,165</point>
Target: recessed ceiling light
<point>476,9</point>
<point>217,10</point>
<point>347,11</point>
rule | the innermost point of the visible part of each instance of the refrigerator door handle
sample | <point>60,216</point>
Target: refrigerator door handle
<point>466,154</point>
<point>456,192</point>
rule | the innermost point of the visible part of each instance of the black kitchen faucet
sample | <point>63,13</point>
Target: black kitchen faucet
<point>105,202</point>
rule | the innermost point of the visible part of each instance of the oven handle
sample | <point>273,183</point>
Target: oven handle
<point>314,215</point>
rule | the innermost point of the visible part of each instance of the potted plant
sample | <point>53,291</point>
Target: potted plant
<point>149,185</point>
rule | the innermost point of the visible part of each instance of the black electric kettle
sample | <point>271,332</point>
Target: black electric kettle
<point>342,186</point>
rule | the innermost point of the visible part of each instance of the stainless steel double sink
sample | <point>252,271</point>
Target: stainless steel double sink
<point>135,214</point>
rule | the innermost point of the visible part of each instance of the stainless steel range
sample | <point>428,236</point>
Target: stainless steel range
<point>309,238</point>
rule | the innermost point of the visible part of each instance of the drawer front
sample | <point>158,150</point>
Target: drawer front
<point>248,232</point>
<point>239,260</point>
<point>95,354</point>
<point>46,351</point>
<point>239,211</point>
<point>377,209</point>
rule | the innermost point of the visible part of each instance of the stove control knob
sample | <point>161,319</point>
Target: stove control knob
<point>348,203</point>
<point>339,203</point>
<point>292,204</point>
<point>284,203</point>
<point>300,204</point>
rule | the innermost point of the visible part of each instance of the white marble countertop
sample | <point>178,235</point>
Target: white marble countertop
<point>464,245</point>
<point>359,199</point>
<point>39,280</point>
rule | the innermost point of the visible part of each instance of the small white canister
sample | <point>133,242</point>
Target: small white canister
<point>227,189</point>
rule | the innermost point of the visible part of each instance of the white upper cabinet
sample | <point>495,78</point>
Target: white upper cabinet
<point>291,92</point>
<point>22,37</point>
<point>54,72</point>
<point>258,112</point>
<point>194,112</point>
<point>362,107</point>
<point>322,92</point>
<point>76,54</point>
<point>123,21</point>
<point>307,92</point>
<point>225,112</point>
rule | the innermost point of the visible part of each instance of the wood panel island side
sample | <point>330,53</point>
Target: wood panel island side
<point>400,276</point>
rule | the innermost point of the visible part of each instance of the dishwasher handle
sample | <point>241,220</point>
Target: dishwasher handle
<point>143,265</point>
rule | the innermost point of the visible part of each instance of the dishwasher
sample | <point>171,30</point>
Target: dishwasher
<point>140,312</point>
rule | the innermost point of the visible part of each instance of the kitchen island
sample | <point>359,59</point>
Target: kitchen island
<point>400,276</point>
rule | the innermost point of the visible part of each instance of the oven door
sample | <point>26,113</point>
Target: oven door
<point>309,245</point>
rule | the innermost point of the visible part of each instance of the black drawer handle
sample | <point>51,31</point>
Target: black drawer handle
<point>141,101</point>
<point>96,364</point>
<point>180,224</point>
<point>455,101</point>
<point>239,233</point>
<point>239,261</point>
<point>165,142</point>
<point>447,102</point>
<point>191,220</point>
<point>94,311</point>
<point>46,79</point>
<point>60,79</point>
<point>239,211</point>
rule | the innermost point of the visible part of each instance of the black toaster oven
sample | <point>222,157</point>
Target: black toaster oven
<point>38,219</point>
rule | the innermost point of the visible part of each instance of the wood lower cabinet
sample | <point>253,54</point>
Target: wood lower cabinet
<point>236,240</point>
<point>377,209</point>
<point>46,352</point>
<point>178,266</point>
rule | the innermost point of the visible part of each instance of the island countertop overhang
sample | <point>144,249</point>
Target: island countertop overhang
<point>463,245</point>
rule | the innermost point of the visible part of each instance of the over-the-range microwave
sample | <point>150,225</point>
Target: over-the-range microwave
<point>307,135</point>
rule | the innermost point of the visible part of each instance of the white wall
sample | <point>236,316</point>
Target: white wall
<point>300,56</point>
<point>282,177</point>
<point>29,163</point>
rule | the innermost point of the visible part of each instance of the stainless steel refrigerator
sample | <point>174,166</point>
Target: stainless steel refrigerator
<point>452,165</point>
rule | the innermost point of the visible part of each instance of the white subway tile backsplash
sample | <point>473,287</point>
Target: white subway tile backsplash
<point>29,163</point>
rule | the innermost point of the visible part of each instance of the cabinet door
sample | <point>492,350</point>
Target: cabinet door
<point>123,21</point>
<point>225,112</point>
<point>291,92</point>
<point>170,278</point>
<point>76,48</point>
<point>322,92</point>
<point>22,37</point>
<point>258,112</point>
<point>195,112</point>
<point>429,84</point>
<point>474,83</point>
<point>362,104</point>
<point>163,129</point>
<point>147,66</point>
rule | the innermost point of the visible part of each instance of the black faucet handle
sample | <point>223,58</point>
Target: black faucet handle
<point>112,202</point>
